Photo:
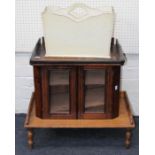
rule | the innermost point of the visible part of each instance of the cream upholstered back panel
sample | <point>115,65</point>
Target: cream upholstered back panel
<point>74,34</point>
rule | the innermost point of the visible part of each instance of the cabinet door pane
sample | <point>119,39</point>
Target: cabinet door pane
<point>59,91</point>
<point>94,91</point>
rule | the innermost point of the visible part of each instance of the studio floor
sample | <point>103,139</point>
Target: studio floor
<point>75,141</point>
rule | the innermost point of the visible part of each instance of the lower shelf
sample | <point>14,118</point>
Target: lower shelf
<point>124,120</point>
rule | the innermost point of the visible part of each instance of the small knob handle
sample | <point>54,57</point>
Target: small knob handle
<point>116,87</point>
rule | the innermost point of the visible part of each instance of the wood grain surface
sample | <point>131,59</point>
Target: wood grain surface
<point>122,121</point>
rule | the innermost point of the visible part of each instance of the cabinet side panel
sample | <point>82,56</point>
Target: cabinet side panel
<point>45,92</point>
<point>38,90</point>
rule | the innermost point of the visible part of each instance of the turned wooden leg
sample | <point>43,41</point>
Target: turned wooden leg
<point>128,138</point>
<point>30,138</point>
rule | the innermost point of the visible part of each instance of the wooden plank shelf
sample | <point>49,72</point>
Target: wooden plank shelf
<point>124,120</point>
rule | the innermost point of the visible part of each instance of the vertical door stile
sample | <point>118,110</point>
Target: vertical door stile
<point>109,101</point>
<point>73,89</point>
<point>80,92</point>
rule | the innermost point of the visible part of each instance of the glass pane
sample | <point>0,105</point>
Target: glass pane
<point>94,91</point>
<point>59,91</point>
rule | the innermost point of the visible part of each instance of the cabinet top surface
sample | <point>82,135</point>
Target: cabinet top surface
<point>38,56</point>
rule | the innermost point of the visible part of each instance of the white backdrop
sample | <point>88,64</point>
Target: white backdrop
<point>29,25</point>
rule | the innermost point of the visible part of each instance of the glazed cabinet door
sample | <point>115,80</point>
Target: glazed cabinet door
<point>96,96</point>
<point>59,92</point>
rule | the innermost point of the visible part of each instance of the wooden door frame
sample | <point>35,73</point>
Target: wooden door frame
<point>108,93</point>
<point>72,92</point>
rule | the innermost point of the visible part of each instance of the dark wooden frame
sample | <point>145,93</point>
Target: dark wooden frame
<point>41,64</point>
<point>72,93</point>
<point>112,79</point>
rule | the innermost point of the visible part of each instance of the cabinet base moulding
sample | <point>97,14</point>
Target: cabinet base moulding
<point>124,120</point>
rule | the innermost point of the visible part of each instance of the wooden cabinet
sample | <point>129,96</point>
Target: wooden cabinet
<point>78,93</point>
<point>76,88</point>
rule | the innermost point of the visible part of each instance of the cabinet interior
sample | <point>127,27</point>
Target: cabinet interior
<point>59,91</point>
